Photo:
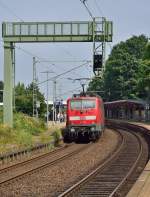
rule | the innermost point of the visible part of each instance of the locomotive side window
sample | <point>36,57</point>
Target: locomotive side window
<point>82,104</point>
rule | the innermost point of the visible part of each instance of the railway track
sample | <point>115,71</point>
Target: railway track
<point>33,165</point>
<point>33,158</point>
<point>112,178</point>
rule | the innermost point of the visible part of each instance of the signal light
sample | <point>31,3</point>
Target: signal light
<point>98,62</point>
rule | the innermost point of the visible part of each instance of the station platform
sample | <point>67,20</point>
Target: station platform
<point>141,188</point>
<point>142,124</point>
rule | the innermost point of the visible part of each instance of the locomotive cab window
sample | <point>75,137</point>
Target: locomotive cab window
<point>76,104</point>
<point>82,104</point>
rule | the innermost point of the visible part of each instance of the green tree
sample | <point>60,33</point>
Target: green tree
<point>40,99</point>
<point>147,52</point>
<point>24,99</point>
<point>144,75</point>
<point>97,85</point>
<point>144,80</point>
<point>120,79</point>
<point>135,46</point>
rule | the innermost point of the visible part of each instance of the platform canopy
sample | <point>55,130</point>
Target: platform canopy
<point>77,31</point>
<point>125,104</point>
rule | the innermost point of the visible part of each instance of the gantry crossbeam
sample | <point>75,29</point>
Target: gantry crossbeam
<point>57,31</point>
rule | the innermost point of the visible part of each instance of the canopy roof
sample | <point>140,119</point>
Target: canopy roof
<point>125,104</point>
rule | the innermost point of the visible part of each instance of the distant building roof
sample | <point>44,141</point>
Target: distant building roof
<point>129,103</point>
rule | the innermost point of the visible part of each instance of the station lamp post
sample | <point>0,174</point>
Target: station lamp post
<point>35,84</point>
<point>47,94</point>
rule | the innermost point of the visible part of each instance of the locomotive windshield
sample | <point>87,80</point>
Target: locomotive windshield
<point>82,104</point>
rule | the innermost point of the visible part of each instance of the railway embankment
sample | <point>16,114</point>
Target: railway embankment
<point>27,132</point>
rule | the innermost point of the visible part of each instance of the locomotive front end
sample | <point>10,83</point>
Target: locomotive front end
<point>83,119</point>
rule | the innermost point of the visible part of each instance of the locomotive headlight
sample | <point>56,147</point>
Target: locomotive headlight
<point>92,128</point>
<point>72,130</point>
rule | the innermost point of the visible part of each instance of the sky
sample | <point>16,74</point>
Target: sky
<point>130,17</point>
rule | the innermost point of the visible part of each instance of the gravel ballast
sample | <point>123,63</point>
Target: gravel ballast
<point>53,180</point>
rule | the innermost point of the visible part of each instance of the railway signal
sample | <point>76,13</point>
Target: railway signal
<point>98,62</point>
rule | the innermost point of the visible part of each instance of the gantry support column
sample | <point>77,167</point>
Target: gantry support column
<point>8,84</point>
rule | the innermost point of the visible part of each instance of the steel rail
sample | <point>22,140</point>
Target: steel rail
<point>77,186</point>
<point>24,152</point>
<point>131,169</point>
<point>2,170</point>
<point>52,163</point>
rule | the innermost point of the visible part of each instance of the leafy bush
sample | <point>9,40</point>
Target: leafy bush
<point>28,124</point>
<point>27,131</point>
<point>56,135</point>
<point>24,99</point>
<point>21,135</point>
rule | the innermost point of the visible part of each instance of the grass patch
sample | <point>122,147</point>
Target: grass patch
<point>23,138</point>
<point>22,134</point>
<point>27,132</point>
<point>57,135</point>
<point>1,115</point>
<point>6,134</point>
<point>28,124</point>
<point>45,137</point>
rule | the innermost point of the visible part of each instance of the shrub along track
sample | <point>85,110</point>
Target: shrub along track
<point>116,175</point>
<point>53,177</point>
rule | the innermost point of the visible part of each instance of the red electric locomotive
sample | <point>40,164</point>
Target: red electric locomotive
<point>85,118</point>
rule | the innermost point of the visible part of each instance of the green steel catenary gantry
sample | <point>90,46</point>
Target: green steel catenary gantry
<point>97,31</point>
